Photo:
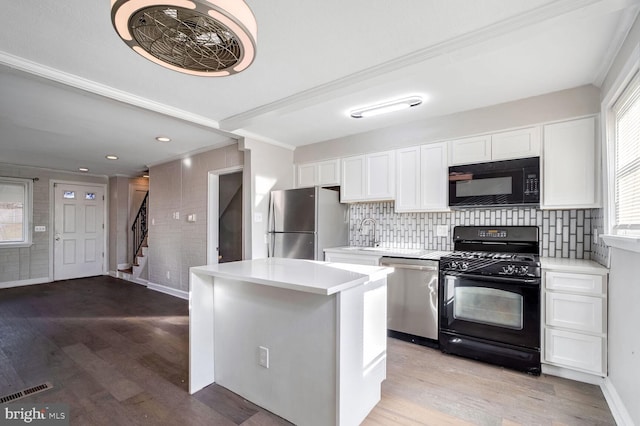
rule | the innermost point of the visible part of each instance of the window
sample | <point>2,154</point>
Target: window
<point>626,137</point>
<point>15,212</point>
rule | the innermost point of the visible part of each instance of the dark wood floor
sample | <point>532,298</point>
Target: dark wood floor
<point>117,353</point>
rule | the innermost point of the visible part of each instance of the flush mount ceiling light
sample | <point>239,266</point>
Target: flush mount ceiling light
<point>198,37</point>
<point>163,139</point>
<point>111,157</point>
<point>385,107</point>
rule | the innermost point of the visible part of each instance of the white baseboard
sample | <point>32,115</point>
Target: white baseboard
<point>168,290</point>
<point>617,407</point>
<point>21,283</point>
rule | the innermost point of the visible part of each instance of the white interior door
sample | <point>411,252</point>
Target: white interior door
<point>79,231</point>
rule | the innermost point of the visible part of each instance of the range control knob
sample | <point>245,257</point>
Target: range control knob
<point>523,270</point>
<point>509,269</point>
<point>464,266</point>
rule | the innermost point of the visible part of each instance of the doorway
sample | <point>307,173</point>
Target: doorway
<point>225,216</point>
<point>230,218</point>
<point>79,232</point>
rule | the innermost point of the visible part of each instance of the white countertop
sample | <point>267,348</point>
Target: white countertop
<point>390,251</point>
<point>572,265</point>
<point>296,274</point>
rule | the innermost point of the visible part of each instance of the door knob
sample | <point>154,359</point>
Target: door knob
<point>57,237</point>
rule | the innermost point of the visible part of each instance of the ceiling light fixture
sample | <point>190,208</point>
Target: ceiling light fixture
<point>163,139</point>
<point>83,169</point>
<point>111,157</point>
<point>198,37</point>
<point>385,107</point>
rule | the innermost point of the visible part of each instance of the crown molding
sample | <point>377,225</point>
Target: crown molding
<point>616,44</point>
<point>538,15</point>
<point>81,83</point>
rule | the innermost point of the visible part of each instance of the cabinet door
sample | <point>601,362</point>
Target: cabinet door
<point>521,143</point>
<point>408,180</point>
<point>470,150</point>
<point>328,172</point>
<point>306,175</point>
<point>569,177</point>
<point>575,312</point>
<point>575,350</point>
<point>353,179</point>
<point>380,176</point>
<point>434,177</point>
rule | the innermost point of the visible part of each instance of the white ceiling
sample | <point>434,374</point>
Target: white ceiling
<point>71,92</point>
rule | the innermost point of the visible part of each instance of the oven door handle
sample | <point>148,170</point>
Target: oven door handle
<point>495,278</point>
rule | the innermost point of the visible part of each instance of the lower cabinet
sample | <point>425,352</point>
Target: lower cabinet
<point>575,321</point>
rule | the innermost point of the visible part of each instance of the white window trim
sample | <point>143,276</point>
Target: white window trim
<point>28,224</point>
<point>610,238</point>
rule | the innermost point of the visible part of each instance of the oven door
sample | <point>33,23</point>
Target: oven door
<point>495,308</point>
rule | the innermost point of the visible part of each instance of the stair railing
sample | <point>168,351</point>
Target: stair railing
<point>139,227</point>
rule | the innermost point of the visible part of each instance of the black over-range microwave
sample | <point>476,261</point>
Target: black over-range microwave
<point>509,182</point>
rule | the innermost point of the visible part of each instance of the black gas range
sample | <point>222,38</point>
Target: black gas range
<point>490,296</point>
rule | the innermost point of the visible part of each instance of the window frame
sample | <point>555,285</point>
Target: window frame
<point>27,213</point>
<point>630,92</point>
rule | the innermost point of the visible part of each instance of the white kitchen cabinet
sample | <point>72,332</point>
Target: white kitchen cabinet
<point>521,143</point>
<point>320,173</point>
<point>421,178</point>
<point>575,321</point>
<point>569,165</point>
<point>358,259</point>
<point>369,177</point>
<point>470,150</point>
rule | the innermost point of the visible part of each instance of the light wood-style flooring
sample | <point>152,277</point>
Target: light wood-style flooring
<point>117,353</point>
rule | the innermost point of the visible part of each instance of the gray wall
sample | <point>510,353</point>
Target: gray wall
<point>118,196</point>
<point>584,100</point>
<point>624,285</point>
<point>19,264</point>
<point>181,187</point>
<point>267,167</point>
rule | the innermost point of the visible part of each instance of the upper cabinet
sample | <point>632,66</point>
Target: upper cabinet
<point>369,177</point>
<point>421,178</point>
<point>520,143</point>
<point>569,165</point>
<point>320,173</point>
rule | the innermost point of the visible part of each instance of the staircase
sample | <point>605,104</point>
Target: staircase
<point>138,272</point>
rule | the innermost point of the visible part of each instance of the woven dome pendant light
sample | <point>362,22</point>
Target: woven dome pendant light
<point>198,37</point>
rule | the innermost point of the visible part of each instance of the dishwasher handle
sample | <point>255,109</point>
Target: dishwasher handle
<point>408,266</point>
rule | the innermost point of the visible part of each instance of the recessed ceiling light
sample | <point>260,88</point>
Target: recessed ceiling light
<point>83,169</point>
<point>163,139</point>
<point>385,107</point>
<point>111,157</point>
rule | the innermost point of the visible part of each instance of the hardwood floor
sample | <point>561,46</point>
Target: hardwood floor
<point>117,353</point>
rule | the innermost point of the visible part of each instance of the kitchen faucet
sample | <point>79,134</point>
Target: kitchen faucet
<point>373,222</point>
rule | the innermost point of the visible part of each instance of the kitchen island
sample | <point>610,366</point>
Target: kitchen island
<point>303,339</point>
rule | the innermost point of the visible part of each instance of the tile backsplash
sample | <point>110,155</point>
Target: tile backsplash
<point>563,233</point>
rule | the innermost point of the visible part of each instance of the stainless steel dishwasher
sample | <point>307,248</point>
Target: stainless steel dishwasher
<point>412,299</point>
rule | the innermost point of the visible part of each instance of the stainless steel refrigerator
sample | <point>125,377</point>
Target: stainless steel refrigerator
<point>305,221</point>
